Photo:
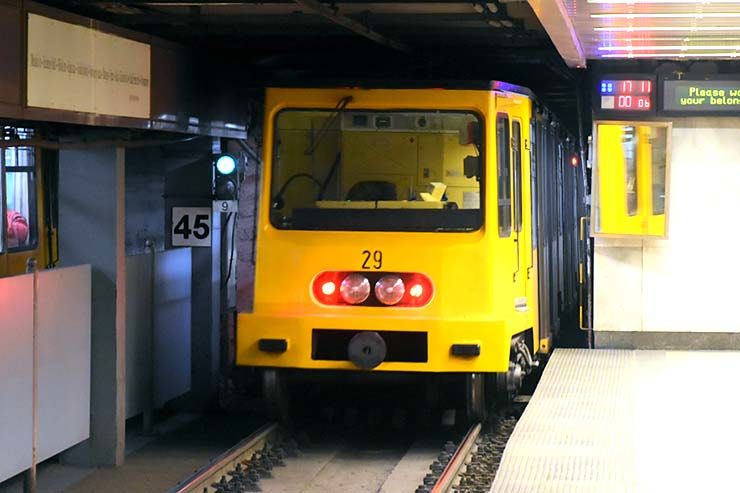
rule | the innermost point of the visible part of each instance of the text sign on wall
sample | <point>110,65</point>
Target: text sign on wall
<point>191,226</point>
<point>701,96</point>
<point>76,68</point>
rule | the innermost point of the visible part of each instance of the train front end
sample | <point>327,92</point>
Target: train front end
<point>378,246</point>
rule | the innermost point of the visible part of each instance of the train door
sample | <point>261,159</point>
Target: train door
<point>522,257</point>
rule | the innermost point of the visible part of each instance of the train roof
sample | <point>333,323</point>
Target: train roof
<point>487,85</point>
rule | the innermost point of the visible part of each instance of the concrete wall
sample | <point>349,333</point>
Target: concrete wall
<point>188,183</point>
<point>688,281</point>
<point>158,178</point>
<point>91,231</point>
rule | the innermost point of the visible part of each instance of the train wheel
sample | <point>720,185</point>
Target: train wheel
<point>506,385</point>
<point>275,393</point>
<point>475,397</point>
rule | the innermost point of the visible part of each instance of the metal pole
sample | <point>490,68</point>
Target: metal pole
<point>148,415</point>
<point>30,479</point>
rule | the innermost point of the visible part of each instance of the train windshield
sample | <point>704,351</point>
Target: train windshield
<point>377,170</point>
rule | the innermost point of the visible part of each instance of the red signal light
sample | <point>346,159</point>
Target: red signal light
<point>574,160</point>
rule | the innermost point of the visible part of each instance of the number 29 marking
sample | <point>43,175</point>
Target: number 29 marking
<point>375,257</point>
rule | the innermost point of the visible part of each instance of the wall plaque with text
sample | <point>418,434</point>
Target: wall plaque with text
<point>76,68</point>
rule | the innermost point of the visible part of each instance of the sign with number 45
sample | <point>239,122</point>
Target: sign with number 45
<point>191,226</point>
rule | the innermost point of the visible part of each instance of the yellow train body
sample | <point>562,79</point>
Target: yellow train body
<point>485,286</point>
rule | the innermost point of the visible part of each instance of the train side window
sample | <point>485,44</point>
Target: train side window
<point>20,198</point>
<point>629,147</point>
<point>503,158</point>
<point>659,150</point>
<point>632,162</point>
<point>516,152</point>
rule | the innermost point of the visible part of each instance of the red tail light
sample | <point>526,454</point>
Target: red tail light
<point>326,288</point>
<point>354,289</point>
<point>419,290</point>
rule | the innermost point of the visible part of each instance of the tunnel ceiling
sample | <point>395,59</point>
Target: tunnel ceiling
<point>287,41</point>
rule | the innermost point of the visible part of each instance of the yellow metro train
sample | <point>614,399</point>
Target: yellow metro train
<point>26,238</point>
<point>424,230</point>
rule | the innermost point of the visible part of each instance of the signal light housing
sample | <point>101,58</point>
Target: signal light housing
<point>225,177</point>
<point>343,288</point>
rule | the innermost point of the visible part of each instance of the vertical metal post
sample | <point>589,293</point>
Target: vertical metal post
<point>30,479</point>
<point>148,415</point>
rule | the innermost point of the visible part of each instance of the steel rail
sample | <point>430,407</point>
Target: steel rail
<point>202,479</point>
<point>458,460</point>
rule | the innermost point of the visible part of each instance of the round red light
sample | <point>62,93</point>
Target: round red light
<point>325,288</point>
<point>419,292</point>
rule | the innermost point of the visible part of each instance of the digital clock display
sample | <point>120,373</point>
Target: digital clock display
<point>626,95</point>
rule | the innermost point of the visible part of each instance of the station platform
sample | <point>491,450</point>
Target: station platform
<point>628,421</point>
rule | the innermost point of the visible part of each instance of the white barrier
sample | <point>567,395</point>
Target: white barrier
<point>172,328</point>
<point>63,323</point>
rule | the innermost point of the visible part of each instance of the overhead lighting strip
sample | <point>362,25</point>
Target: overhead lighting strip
<point>685,39</point>
<point>708,15</point>
<point>671,55</point>
<point>661,2</point>
<point>668,48</point>
<point>626,29</point>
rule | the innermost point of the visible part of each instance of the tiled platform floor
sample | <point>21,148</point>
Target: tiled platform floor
<point>628,421</point>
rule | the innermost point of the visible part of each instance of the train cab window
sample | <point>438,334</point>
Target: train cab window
<point>630,178</point>
<point>503,158</point>
<point>516,153</point>
<point>20,198</point>
<point>372,170</point>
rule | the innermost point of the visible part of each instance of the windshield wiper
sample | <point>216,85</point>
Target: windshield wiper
<point>338,109</point>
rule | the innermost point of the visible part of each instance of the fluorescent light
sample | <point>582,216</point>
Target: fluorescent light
<point>685,39</point>
<point>671,55</point>
<point>713,15</point>
<point>666,47</point>
<point>648,2</point>
<point>666,28</point>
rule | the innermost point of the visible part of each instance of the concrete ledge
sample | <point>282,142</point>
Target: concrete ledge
<point>666,340</point>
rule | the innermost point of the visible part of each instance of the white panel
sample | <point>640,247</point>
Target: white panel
<point>172,320</point>
<point>64,316</point>
<point>690,279</point>
<point>617,287</point>
<point>172,316</point>
<point>138,327</point>
<point>16,367</point>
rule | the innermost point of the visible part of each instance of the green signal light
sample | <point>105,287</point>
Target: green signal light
<point>226,164</point>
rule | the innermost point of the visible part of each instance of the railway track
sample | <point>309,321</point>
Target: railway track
<point>385,461</point>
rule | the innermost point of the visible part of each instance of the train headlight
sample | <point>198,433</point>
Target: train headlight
<point>389,290</point>
<point>355,289</point>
